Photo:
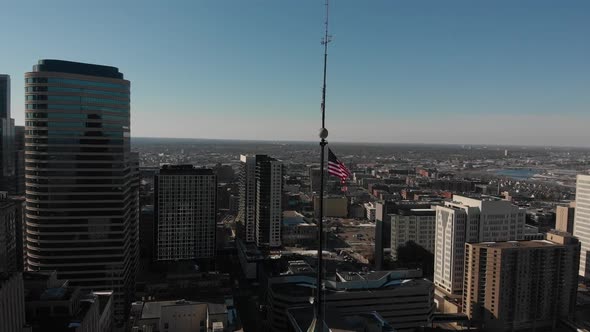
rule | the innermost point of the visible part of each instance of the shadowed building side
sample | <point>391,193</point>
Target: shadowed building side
<point>82,201</point>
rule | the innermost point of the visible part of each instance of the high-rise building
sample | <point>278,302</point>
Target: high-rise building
<point>416,225</point>
<point>564,218</point>
<point>19,160</point>
<point>6,137</point>
<point>582,223</point>
<point>518,285</point>
<point>260,211</point>
<point>247,202</point>
<point>82,201</point>
<point>468,220</point>
<point>185,213</point>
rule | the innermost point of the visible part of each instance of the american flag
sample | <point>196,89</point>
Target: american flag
<point>337,168</point>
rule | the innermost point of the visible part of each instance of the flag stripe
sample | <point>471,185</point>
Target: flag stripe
<point>337,168</point>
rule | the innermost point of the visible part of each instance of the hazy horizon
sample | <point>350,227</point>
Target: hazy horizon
<point>453,72</point>
<point>359,142</point>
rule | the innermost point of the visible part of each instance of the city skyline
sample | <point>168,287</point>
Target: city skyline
<point>460,73</point>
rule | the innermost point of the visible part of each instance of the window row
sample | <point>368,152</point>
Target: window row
<point>89,116</point>
<point>51,80</point>
<point>75,90</point>
<point>75,108</point>
<point>52,124</point>
<point>80,99</point>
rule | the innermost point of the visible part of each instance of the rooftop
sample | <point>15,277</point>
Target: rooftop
<point>184,170</point>
<point>516,244</point>
<point>77,68</point>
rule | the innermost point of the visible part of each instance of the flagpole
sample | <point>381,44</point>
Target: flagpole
<point>319,313</point>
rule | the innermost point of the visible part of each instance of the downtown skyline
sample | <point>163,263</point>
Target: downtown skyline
<point>461,73</point>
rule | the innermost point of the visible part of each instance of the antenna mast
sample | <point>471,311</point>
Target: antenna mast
<point>318,324</point>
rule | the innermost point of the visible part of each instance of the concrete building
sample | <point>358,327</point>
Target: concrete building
<point>468,220</point>
<point>12,302</point>
<point>334,206</point>
<point>383,224</point>
<point>182,316</point>
<point>417,225</point>
<point>519,285</point>
<point>582,223</point>
<point>53,305</point>
<point>370,211</point>
<point>564,218</point>
<point>185,213</point>
<point>82,204</point>
<point>298,230</point>
<point>260,209</point>
<point>10,226</point>
<point>314,179</point>
<point>532,233</point>
<point>401,297</point>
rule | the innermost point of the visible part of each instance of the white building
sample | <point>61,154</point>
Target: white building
<point>417,225</point>
<point>185,211</point>
<point>370,211</point>
<point>469,220</point>
<point>582,222</point>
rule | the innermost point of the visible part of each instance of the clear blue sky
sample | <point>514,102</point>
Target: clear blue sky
<point>455,71</point>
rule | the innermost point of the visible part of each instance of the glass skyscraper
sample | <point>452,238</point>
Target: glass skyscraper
<point>81,178</point>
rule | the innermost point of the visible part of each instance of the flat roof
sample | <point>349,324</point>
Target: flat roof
<point>516,244</point>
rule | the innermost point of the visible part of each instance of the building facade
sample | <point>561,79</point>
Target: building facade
<point>417,225</point>
<point>582,223</point>
<point>82,201</point>
<point>185,213</point>
<point>519,285</point>
<point>469,220</point>
<point>260,207</point>
<point>12,302</point>
<point>7,150</point>
<point>11,249</point>
<point>401,297</point>
<point>564,218</point>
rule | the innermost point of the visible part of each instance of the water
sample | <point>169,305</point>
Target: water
<point>518,174</point>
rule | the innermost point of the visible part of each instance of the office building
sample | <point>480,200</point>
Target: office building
<point>334,206</point>
<point>82,203</point>
<point>297,230</point>
<point>402,297</point>
<point>315,175</point>
<point>564,218</point>
<point>260,209</point>
<point>582,224</point>
<point>19,160</point>
<point>12,302</point>
<point>518,285</point>
<point>11,248</point>
<point>185,213</point>
<point>416,225</point>
<point>6,137</point>
<point>468,220</point>
<point>183,316</point>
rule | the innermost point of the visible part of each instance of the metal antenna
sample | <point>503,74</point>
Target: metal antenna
<point>319,314</point>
